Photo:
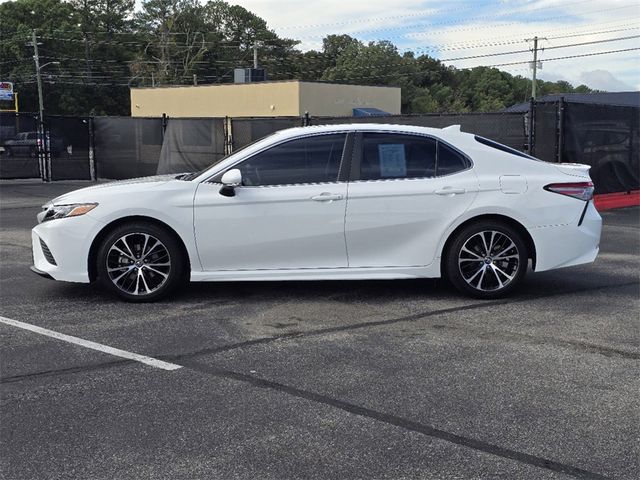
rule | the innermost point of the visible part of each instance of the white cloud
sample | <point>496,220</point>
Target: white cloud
<point>411,24</point>
<point>604,80</point>
<point>310,21</point>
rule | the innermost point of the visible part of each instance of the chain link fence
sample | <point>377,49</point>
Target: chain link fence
<point>603,136</point>
<point>191,144</point>
<point>66,146</point>
<point>608,139</point>
<point>126,147</point>
<point>545,118</point>
<point>19,146</point>
<point>506,128</point>
<point>247,130</point>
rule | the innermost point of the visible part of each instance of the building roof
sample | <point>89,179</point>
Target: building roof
<point>233,84</point>
<point>369,112</point>
<point>620,99</point>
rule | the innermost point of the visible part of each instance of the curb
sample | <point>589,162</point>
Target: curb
<point>610,201</point>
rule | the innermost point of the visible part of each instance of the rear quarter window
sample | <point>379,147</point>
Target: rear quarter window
<point>504,148</point>
<point>450,161</point>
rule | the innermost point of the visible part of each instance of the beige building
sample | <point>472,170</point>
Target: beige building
<point>262,99</point>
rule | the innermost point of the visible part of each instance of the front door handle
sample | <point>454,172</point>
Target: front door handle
<point>326,197</point>
<point>449,191</point>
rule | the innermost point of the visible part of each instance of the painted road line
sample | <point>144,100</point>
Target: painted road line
<point>92,345</point>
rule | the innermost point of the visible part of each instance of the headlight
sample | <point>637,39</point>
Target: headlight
<point>64,211</point>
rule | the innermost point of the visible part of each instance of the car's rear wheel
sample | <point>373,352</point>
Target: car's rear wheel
<point>8,151</point>
<point>487,260</point>
<point>140,262</point>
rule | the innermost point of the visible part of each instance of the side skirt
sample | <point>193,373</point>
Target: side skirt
<point>363,273</point>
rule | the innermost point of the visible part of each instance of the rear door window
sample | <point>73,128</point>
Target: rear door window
<point>387,156</point>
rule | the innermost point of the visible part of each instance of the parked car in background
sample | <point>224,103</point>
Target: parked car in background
<point>340,202</point>
<point>27,144</point>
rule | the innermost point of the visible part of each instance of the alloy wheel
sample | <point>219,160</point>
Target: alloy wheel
<point>138,263</point>
<point>489,260</point>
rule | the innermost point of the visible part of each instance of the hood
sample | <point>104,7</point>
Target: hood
<point>89,194</point>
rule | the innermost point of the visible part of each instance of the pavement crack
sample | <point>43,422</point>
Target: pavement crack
<point>400,422</point>
<point>407,318</point>
<point>64,371</point>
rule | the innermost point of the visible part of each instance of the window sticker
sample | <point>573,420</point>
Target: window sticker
<point>393,162</point>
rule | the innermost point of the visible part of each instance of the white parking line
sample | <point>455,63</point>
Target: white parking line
<point>92,345</point>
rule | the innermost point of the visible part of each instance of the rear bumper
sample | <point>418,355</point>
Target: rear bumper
<point>567,245</point>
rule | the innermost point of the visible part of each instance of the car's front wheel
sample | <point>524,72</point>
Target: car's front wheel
<point>487,260</point>
<point>140,262</point>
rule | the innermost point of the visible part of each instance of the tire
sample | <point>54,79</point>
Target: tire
<point>141,262</point>
<point>484,274</point>
<point>33,152</point>
<point>8,151</point>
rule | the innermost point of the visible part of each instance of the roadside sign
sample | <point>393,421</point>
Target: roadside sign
<point>6,91</point>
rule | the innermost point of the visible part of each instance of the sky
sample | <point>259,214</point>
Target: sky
<point>452,29</point>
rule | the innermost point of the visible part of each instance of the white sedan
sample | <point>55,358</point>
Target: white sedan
<point>329,203</point>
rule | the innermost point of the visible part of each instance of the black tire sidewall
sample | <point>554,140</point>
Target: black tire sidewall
<point>452,270</point>
<point>176,275</point>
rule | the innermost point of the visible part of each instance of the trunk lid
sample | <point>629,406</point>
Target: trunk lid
<point>574,169</point>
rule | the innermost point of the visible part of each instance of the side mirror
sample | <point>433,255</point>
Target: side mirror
<point>230,180</point>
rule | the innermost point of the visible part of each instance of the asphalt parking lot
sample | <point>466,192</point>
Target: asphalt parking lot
<point>322,380</point>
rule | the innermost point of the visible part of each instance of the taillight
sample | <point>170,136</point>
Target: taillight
<point>579,190</point>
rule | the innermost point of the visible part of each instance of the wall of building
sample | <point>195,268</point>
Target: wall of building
<point>263,99</point>
<point>328,99</point>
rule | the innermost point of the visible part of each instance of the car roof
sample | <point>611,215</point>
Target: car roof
<point>451,132</point>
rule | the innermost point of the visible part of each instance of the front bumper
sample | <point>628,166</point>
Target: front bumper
<point>567,245</point>
<point>40,272</point>
<point>68,241</point>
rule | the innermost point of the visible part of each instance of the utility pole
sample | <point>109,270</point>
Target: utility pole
<point>43,148</point>
<point>36,58</point>
<point>534,64</point>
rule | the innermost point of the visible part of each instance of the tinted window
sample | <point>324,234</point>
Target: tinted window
<point>305,160</point>
<point>450,161</point>
<point>387,155</point>
<point>502,148</point>
<point>31,136</point>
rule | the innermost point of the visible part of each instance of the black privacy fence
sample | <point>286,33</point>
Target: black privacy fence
<point>86,148</point>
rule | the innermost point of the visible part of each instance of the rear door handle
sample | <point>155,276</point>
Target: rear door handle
<point>450,191</point>
<point>326,197</point>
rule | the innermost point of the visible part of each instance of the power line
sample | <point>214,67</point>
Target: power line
<point>568,56</point>
<point>520,39</point>
<point>394,75</point>
<point>546,48</point>
<point>477,27</point>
